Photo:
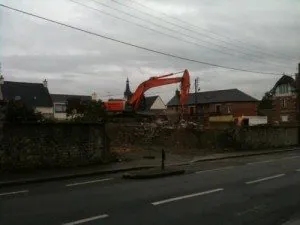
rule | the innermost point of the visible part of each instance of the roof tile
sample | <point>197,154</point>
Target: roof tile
<point>32,94</point>
<point>219,96</point>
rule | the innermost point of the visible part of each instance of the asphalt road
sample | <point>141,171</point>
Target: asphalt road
<point>253,190</point>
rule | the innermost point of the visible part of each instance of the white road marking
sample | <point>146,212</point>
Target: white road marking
<point>87,220</point>
<point>217,169</point>
<point>298,170</point>
<point>291,157</point>
<point>14,193</point>
<point>265,179</point>
<point>186,196</point>
<point>266,161</point>
<point>88,182</point>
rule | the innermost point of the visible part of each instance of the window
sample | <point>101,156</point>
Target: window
<point>218,108</point>
<point>228,109</point>
<point>284,118</point>
<point>60,108</point>
<point>283,103</point>
<point>283,89</point>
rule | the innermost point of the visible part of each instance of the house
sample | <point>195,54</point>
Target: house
<point>226,104</point>
<point>282,101</point>
<point>153,103</point>
<point>60,103</point>
<point>34,95</point>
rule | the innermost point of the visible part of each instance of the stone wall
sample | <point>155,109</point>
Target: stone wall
<point>183,139</point>
<point>52,145</point>
<point>265,137</point>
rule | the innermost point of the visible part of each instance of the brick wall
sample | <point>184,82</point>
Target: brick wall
<point>34,145</point>
<point>235,108</point>
<point>284,106</point>
<point>244,108</point>
<point>184,139</point>
<point>265,137</point>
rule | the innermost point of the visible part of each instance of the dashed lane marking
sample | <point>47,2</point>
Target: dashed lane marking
<point>217,169</point>
<point>266,161</point>
<point>265,179</point>
<point>14,193</point>
<point>88,182</point>
<point>291,157</point>
<point>87,219</point>
<point>186,196</point>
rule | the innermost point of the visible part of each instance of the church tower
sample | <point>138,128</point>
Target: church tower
<point>127,93</point>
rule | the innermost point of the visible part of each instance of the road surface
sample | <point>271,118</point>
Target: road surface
<point>253,190</point>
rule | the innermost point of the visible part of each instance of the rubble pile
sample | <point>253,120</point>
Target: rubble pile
<point>153,135</point>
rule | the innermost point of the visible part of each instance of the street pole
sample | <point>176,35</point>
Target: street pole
<point>298,101</point>
<point>196,97</point>
<point>163,158</point>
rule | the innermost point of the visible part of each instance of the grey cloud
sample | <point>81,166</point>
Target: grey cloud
<point>76,62</point>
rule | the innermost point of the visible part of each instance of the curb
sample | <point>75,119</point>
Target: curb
<point>244,155</point>
<point>150,175</point>
<point>101,172</point>
<point>67,176</point>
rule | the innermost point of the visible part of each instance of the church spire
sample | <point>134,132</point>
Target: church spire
<point>127,93</point>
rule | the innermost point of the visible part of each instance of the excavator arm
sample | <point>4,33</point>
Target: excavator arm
<point>160,81</point>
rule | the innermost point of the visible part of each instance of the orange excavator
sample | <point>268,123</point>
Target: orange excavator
<point>157,81</point>
<point>136,100</point>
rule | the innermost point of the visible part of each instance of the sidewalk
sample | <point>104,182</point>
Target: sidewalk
<point>10,179</point>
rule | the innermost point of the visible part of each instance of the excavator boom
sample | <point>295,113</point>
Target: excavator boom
<point>160,81</point>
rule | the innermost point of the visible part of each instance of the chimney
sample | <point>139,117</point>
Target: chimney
<point>177,93</point>
<point>1,79</point>
<point>298,78</point>
<point>94,96</point>
<point>298,97</point>
<point>45,83</point>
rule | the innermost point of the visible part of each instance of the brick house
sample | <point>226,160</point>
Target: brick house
<point>283,106</point>
<point>217,103</point>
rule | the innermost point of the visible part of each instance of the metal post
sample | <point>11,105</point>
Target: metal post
<point>298,101</point>
<point>163,158</point>
<point>196,97</point>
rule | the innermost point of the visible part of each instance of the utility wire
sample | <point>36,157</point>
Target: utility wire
<point>144,27</point>
<point>187,35</point>
<point>157,31</point>
<point>163,27</point>
<point>185,28</point>
<point>257,48</point>
<point>136,46</point>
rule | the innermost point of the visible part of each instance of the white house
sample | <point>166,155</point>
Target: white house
<point>153,103</point>
<point>60,103</point>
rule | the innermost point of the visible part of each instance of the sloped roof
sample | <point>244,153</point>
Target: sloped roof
<point>149,101</point>
<point>285,79</point>
<point>64,98</point>
<point>32,94</point>
<point>219,96</point>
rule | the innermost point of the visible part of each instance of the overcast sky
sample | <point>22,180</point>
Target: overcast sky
<point>262,35</point>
